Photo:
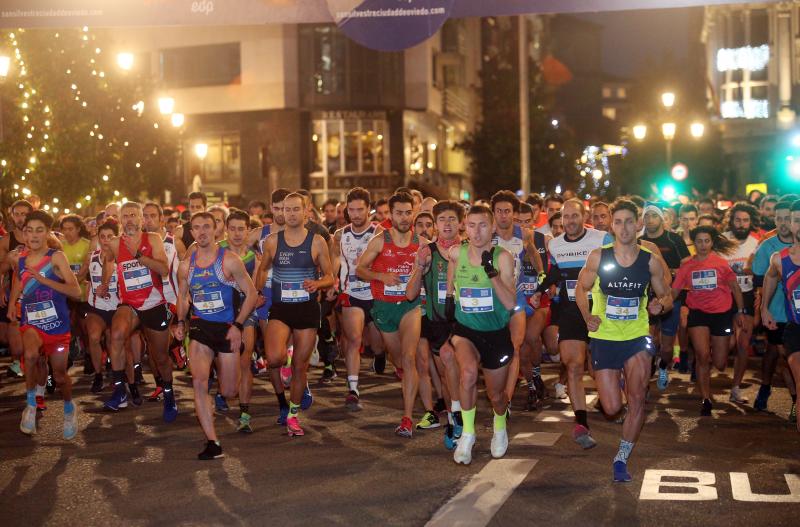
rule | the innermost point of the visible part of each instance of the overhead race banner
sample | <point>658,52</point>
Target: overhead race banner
<point>380,24</point>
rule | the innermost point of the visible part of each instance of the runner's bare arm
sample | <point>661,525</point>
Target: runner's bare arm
<point>771,279</point>
<point>336,252</point>
<point>109,266</point>
<point>5,265</point>
<point>320,251</point>
<point>586,280</point>
<point>364,266</point>
<point>270,245</point>
<point>246,285</point>
<point>69,286</point>
<point>182,309</point>
<point>157,262</point>
<point>16,290</point>
<point>421,264</point>
<point>54,243</point>
<point>532,252</point>
<point>504,283</point>
<point>660,286</point>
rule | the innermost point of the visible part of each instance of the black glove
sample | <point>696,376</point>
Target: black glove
<point>488,266</point>
<point>450,308</point>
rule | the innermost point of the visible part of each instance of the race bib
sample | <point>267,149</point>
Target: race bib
<point>356,285</point>
<point>745,283</point>
<point>529,287</point>
<point>76,268</point>
<point>442,293</point>
<point>796,298</point>
<point>476,299</point>
<point>399,289</point>
<point>704,279</point>
<point>137,278</point>
<point>622,308</point>
<point>571,285</point>
<point>208,303</point>
<point>41,312</point>
<point>294,292</point>
<point>112,284</point>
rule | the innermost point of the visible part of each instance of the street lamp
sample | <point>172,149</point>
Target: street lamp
<point>166,105</point>
<point>668,99</point>
<point>640,131</point>
<point>125,60</point>
<point>697,130</point>
<point>177,120</point>
<point>5,65</point>
<point>201,150</point>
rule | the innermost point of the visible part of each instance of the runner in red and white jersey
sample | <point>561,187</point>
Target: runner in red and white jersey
<point>140,265</point>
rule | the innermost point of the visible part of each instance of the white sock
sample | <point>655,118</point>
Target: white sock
<point>39,391</point>
<point>352,382</point>
<point>455,406</point>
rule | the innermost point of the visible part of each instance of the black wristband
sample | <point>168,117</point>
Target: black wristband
<point>491,272</point>
<point>238,325</point>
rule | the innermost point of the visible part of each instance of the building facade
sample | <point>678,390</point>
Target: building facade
<point>302,106</point>
<point>752,71</point>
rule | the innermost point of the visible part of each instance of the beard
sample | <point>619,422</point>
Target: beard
<point>741,234</point>
<point>767,224</point>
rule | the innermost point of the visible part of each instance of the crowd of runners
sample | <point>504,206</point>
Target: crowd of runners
<point>625,292</point>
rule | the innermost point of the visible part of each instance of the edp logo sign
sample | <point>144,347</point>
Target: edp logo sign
<point>389,25</point>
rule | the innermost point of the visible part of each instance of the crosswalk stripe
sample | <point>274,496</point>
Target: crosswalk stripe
<point>484,494</point>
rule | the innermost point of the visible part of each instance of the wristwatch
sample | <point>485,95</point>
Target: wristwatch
<point>138,254</point>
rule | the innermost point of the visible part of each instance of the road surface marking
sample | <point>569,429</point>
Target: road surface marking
<point>703,484</point>
<point>555,416</point>
<point>536,439</point>
<point>740,487</point>
<point>483,495</point>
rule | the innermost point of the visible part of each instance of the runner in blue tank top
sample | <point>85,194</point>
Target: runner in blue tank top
<point>784,268</point>
<point>211,279</point>
<point>42,285</point>
<point>301,267</point>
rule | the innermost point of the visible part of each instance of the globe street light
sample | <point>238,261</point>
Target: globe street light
<point>125,60</point>
<point>668,99</point>
<point>166,105</point>
<point>5,66</point>
<point>639,131</point>
<point>177,120</point>
<point>697,130</point>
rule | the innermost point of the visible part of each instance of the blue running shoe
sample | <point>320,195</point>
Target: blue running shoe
<point>170,407</point>
<point>119,399</point>
<point>760,403</point>
<point>621,474</point>
<point>449,440</point>
<point>221,403</point>
<point>458,426</point>
<point>283,416</point>
<point>307,400</point>
<point>663,379</point>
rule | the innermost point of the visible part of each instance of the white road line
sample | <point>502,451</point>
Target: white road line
<point>555,416</point>
<point>483,496</point>
<point>536,439</point>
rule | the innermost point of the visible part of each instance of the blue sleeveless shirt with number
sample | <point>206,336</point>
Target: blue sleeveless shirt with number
<point>790,279</point>
<point>214,297</point>
<point>291,266</point>
<point>43,307</point>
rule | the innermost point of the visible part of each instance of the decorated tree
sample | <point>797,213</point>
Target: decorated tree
<point>77,128</point>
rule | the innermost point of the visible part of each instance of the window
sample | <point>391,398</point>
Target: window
<point>621,93</point>
<point>610,113</point>
<point>215,65</point>
<point>606,92</point>
<point>744,64</point>
<point>349,146</point>
<point>216,162</point>
<point>337,72</point>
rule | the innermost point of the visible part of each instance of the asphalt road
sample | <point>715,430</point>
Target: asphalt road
<point>350,469</point>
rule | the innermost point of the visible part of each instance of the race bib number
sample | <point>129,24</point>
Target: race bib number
<point>476,299</point>
<point>796,298</point>
<point>442,299</point>
<point>356,285</point>
<point>704,279</point>
<point>622,308</point>
<point>529,287</point>
<point>208,303</point>
<point>76,268</point>
<point>745,283</point>
<point>41,312</point>
<point>294,292</point>
<point>399,289</point>
<point>137,278</point>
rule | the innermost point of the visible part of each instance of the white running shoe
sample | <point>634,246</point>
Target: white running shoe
<point>463,453</point>
<point>28,423</point>
<point>499,443</point>
<point>561,391</point>
<point>737,397</point>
